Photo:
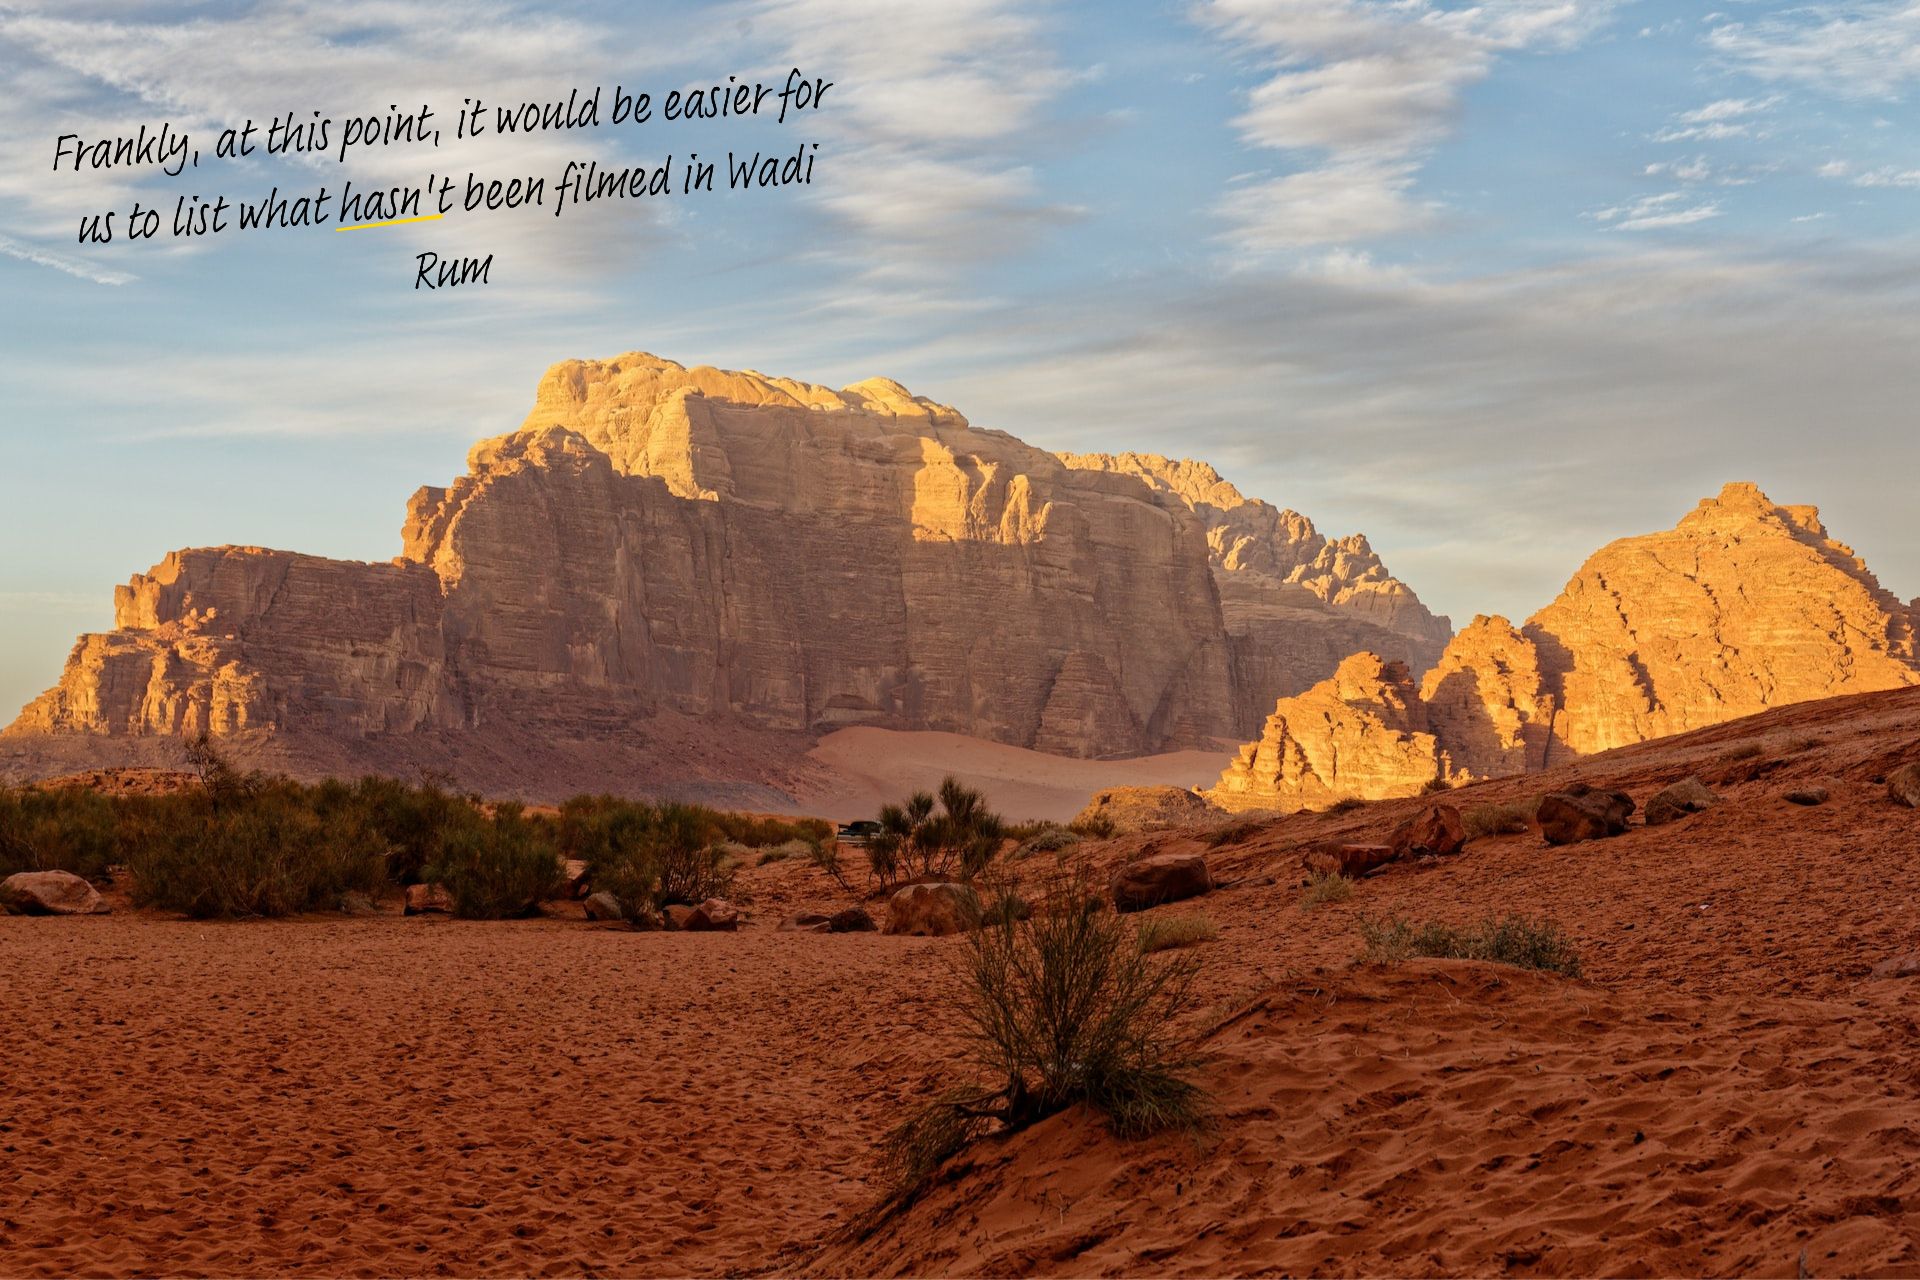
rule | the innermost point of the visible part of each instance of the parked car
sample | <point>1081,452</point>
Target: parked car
<point>857,832</point>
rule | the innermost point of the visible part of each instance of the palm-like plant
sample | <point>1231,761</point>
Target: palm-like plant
<point>953,835</point>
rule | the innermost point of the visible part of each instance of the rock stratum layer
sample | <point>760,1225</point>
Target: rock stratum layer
<point>750,551</point>
<point>1744,605</point>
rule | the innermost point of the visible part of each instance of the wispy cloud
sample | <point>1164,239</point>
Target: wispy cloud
<point>1370,87</point>
<point>1849,50</point>
<point>1651,213</point>
<point>72,266</point>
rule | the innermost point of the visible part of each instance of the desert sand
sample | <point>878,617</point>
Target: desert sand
<point>1727,1090</point>
<point>861,769</point>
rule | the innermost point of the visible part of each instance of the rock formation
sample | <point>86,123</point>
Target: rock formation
<point>1295,603</point>
<point>733,549</point>
<point>1743,606</point>
<point>1361,732</point>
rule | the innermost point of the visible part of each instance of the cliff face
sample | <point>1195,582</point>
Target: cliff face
<point>1295,602</point>
<point>1744,605</point>
<point>745,550</point>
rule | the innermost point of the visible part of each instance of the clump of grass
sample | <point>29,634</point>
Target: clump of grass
<point>1745,751</point>
<point>1060,1008</point>
<point>787,849</point>
<point>500,869</point>
<point>1042,837</point>
<point>1435,785</point>
<point>1500,819</point>
<point>1233,833</point>
<point>1323,887</point>
<point>1094,826</point>
<point>1346,804</point>
<point>1175,931</point>
<point>1513,939</point>
<point>1808,743</point>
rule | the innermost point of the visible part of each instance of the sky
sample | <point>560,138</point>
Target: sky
<point>1493,284</point>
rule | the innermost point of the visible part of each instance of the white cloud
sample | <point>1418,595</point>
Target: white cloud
<point>1849,50</point>
<point>1650,213</point>
<point>60,262</point>
<point>1370,85</point>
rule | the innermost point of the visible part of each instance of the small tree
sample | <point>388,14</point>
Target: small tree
<point>957,835</point>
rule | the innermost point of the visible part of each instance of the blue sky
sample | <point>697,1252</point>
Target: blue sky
<point>1493,284</point>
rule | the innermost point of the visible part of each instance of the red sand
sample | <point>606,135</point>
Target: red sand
<point>1727,1091</point>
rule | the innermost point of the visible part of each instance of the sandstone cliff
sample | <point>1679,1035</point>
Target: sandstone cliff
<point>1294,601</point>
<point>1744,605</point>
<point>662,545</point>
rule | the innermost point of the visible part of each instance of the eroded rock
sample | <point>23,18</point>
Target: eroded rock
<point>50,893</point>
<point>429,899</point>
<point>1167,877</point>
<point>933,910</point>
<point>1682,799</point>
<point>1435,832</point>
<point>1582,812</point>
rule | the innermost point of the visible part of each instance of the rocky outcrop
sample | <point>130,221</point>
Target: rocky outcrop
<point>1295,602</point>
<point>742,550</point>
<point>1129,810</point>
<point>1361,732</point>
<point>1743,606</point>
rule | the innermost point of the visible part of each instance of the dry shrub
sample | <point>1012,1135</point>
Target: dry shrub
<point>953,835</point>
<point>1346,804</point>
<point>1234,833</point>
<point>1514,940</point>
<point>1500,819</point>
<point>1175,931</point>
<point>1094,826</point>
<point>1324,886</point>
<point>1435,785</point>
<point>1060,1008</point>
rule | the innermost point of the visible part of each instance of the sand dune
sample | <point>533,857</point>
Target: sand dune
<point>871,767</point>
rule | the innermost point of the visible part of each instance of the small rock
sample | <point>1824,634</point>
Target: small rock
<point>852,920</point>
<point>1349,860</point>
<point>423,899</point>
<point>604,906</point>
<point>1903,784</point>
<point>1170,877</point>
<point>1807,796</point>
<point>933,910</point>
<point>1582,812</point>
<point>50,893</point>
<point>715,915</point>
<point>1687,796</point>
<point>574,881</point>
<point>1436,831</point>
<point>1905,966</point>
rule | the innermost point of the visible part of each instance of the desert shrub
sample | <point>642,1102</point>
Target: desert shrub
<point>1346,804</point>
<point>1500,819</point>
<point>1059,1008</point>
<point>1175,931</point>
<point>265,850</point>
<point>648,856</point>
<point>757,832</point>
<point>1041,837</point>
<point>222,784</point>
<point>1435,786</point>
<point>1234,833</point>
<point>1323,887</point>
<point>1514,940</point>
<point>498,869</point>
<point>788,849</point>
<point>65,829</point>
<point>1745,751</point>
<point>1807,743</point>
<point>953,836</point>
<point>1094,826</point>
<point>413,821</point>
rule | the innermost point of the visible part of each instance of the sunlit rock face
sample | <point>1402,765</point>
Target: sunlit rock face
<point>754,551</point>
<point>1742,606</point>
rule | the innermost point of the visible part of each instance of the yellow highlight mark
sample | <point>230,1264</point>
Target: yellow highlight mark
<point>362,226</point>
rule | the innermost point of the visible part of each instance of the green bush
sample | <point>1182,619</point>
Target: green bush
<point>1514,940</point>
<point>64,829</point>
<point>1042,837</point>
<point>414,821</point>
<point>266,852</point>
<point>1060,1008</point>
<point>500,869</point>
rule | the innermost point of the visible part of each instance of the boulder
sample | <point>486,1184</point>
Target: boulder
<point>574,881</point>
<point>1169,877</point>
<point>715,915</point>
<point>1436,831</point>
<point>1131,810</point>
<point>1349,860</point>
<point>1685,797</point>
<point>1807,796</point>
<point>50,893</point>
<point>807,922</point>
<point>933,910</point>
<point>604,906</point>
<point>1903,784</point>
<point>424,899</point>
<point>852,920</point>
<point>1582,812</point>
